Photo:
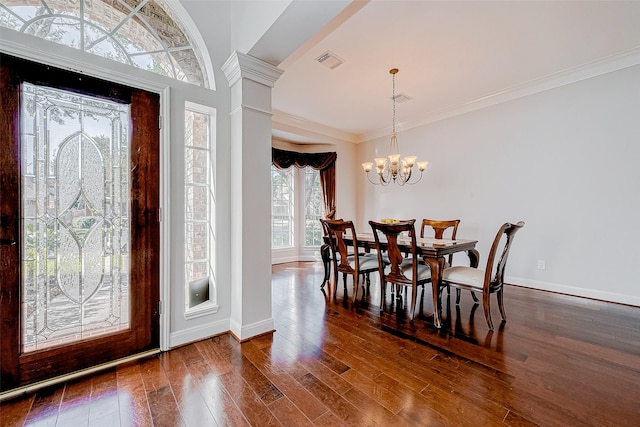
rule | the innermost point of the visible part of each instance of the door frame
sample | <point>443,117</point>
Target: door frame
<point>106,69</point>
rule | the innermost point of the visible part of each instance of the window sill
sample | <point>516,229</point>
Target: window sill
<point>204,309</point>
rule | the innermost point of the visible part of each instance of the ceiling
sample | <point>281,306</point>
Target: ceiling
<point>452,55</point>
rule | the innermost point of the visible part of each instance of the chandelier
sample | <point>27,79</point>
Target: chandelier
<point>391,168</point>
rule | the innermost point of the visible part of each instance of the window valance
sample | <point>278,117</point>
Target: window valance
<point>284,159</point>
<point>324,162</point>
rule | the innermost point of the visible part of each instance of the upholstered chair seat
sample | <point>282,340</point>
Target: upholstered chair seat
<point>472,277</point>
<point>367,261</point>
<point>424,272</point>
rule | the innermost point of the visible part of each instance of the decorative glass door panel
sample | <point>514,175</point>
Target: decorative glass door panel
<point>75,225</point>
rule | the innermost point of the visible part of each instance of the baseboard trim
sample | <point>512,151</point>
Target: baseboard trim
<point>298,258</point>
<point>284,259</point>
<point>575,291</point>
<point>198,333</point>
<point>243,333</point>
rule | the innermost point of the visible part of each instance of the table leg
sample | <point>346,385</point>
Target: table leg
<point>325,253</point>
<point>437,266</point>
<point>474,258</point>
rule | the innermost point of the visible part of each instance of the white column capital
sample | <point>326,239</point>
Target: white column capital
<point>240,65</point>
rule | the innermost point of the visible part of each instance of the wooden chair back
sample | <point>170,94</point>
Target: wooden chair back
<point>439,227</point>
<point>491,280</point>
<point>391,233</point>
<point>337,230</point>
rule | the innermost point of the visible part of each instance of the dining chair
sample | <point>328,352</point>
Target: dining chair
<point>439,227</point>
<point>355,264</point>
<point>489,280</point>
<point>407,272</point>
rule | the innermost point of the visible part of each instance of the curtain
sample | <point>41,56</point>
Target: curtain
<point>323,162</point>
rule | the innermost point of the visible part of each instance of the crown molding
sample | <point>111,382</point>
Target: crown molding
<point>576,74</point>
<point>309,129</point>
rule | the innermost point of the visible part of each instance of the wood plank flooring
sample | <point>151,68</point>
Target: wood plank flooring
<point>558,361</point>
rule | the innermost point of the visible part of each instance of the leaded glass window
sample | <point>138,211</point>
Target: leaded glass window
<point>142,33</point>
<point>75,228</point>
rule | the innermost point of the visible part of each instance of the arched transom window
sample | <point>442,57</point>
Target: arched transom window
<point>142,33</point>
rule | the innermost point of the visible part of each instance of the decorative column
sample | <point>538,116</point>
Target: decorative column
<point>251,81</point>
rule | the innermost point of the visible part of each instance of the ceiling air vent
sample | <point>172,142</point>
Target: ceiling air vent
<point>402,97</point>
<point>329,60</point>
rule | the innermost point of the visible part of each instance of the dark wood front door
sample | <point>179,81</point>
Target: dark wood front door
<point>79,222</point>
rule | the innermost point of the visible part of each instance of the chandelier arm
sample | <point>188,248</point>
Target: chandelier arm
<point>415,182</point>
<point>373,182</point>
<point>385,176</point>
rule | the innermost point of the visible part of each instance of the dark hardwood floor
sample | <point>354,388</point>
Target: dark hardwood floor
<point>558,361</point>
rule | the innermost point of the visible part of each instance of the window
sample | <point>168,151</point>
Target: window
<point>141,33</point>
<point>289,201</point>
<point>282,203</point>
<point>312,207</point>
<point>199,203</point>
<point>314,177</point>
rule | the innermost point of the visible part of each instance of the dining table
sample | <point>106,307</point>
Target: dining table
<point>432,250</point>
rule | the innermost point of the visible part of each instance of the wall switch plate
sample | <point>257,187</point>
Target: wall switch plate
<point>541,265</point>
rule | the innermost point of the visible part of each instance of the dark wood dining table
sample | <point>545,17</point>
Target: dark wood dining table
<point>433,251</point>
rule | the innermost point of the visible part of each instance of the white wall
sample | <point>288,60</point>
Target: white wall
<point>564,161</point>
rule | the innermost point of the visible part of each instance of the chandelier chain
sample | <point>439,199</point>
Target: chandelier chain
<point>393,90</point>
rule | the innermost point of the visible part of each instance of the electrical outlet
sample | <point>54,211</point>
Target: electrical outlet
<point>541,264</point>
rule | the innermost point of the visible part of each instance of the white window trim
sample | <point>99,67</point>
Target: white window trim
<point>210,306</point>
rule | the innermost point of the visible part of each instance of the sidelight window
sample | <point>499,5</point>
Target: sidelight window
<point>199,207</point>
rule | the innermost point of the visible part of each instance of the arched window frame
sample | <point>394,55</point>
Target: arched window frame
<point>161,43</point>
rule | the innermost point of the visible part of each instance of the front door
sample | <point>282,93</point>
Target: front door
<point>79,222</point>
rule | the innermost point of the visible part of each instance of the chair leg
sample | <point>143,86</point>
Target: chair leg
<point>487,309</point>
<point>344,285</point>
<point>356,278</point>
<point>473,295</point>
<point>414,293</point>
<point>383,294</point>
<point>326,262</point>
<point>457,295</point>
<point>501,304</point>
